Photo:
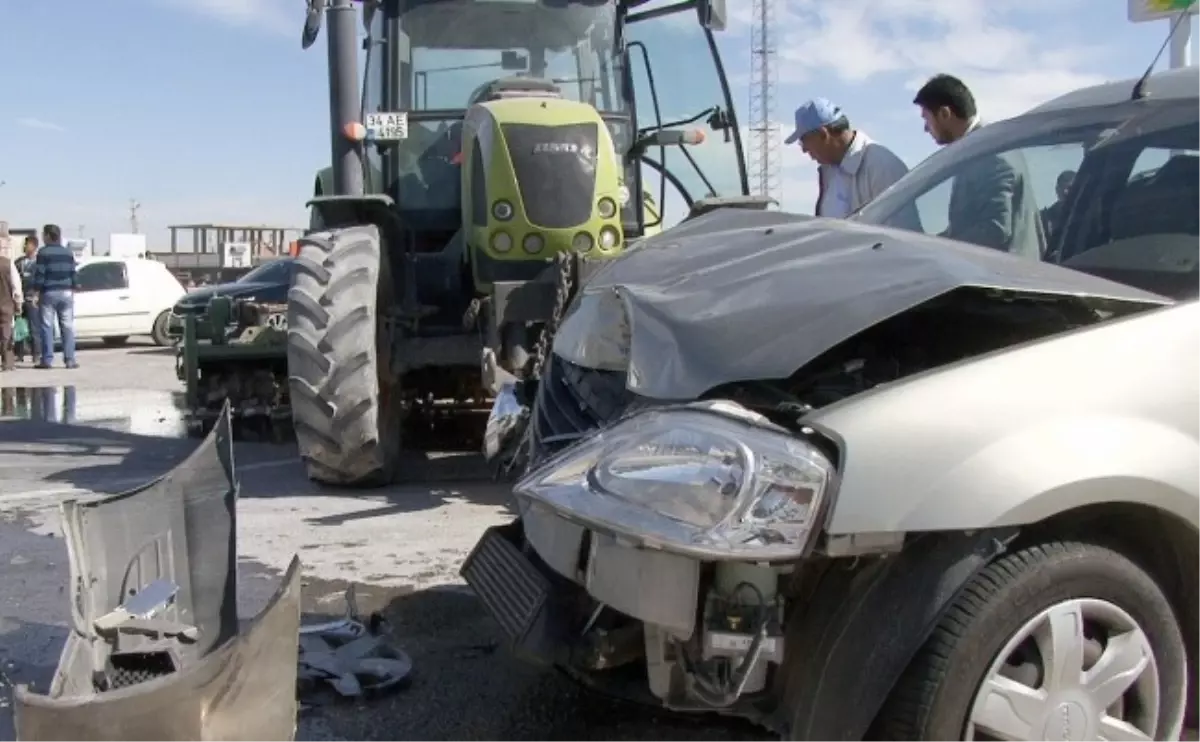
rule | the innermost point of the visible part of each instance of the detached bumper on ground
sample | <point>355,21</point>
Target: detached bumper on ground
<point>155,650</point>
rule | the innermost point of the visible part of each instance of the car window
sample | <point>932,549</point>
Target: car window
<point>1110,191</point>
<point>1004,199</point>
<point>102,276</point>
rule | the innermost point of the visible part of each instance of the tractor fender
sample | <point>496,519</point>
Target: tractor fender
<point>333,212</point>
<point>862,627</point>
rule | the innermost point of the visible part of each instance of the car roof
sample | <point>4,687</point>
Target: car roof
<point>111,259</point>
<point>1180,84</point>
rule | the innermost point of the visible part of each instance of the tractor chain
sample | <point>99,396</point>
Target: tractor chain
<point>516,461</point>
<point>568,274</point>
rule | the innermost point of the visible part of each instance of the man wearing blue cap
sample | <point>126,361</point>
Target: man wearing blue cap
<point>852,169</point>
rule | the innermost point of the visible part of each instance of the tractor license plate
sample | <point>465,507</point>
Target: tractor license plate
<point>384,126</point>
<point>278,320</point>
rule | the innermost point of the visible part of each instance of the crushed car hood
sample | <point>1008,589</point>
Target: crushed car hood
<point>740,295</point>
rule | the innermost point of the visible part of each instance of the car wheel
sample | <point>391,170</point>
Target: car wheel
<point>115,341</point>
<point>158,333</point>
<point>1056,641</point>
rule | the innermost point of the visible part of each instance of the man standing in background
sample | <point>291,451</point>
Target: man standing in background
<point>55,282</point>
<point>11,295</point>
<point>25,265</point>
<point>991,203</point>
<point>852,169</point>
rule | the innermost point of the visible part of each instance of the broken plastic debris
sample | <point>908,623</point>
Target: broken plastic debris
<point>349,656</point>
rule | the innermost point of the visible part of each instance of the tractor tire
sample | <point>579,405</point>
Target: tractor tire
<point>343,423</point>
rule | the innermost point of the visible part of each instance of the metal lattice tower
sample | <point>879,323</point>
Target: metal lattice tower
<point>764,131</point>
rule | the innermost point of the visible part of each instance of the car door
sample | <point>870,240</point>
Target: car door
<point>103,299</point>
<point>153,290</point>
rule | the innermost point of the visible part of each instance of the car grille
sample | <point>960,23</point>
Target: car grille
<point>573,401</point>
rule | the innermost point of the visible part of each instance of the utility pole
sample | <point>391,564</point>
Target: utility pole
<point>134,205</point>
<point>81,229</point>
<point>764,132</point>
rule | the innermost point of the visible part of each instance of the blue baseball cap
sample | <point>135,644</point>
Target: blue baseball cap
<point>812,115</point>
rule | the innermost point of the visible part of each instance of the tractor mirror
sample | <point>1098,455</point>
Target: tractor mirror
<point>713,14</point>
<point>312,23</point>
<point>514,61</point>
<point>668,138</point>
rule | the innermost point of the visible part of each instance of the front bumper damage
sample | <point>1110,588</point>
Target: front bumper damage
<point>155,650</point>
<point>564,596</point>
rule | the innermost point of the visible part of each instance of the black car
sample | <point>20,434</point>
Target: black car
<point>266,283</point>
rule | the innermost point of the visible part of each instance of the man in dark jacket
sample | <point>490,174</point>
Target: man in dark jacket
<point>25,265</point>
<point>55,282</point>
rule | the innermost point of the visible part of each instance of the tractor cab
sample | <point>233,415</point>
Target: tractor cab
<point>489,142</point>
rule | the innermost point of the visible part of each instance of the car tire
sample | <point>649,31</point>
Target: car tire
<point>347,421</point>
<point>158,332</point>
<point>941,694</point>
<point>115,341</point>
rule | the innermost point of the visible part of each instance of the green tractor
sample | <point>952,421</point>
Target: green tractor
<point>496,152</point>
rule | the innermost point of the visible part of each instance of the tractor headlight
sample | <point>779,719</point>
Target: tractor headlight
<point>711,480</point>
<point>502,210</point>
<point>607,208</point>
<point>533,243</point>
<point>582,242</point>
<point>501,242</point>
<point>609,237</point>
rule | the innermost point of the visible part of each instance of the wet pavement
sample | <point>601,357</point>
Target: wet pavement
<point>84,433</point>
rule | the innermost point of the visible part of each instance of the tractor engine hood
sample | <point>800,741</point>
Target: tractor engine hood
<point>739,295</point>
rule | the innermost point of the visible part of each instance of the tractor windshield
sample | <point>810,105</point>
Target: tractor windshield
<point>434,58</point>
<point>457,47</point>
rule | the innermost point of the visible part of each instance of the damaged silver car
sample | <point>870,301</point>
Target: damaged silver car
<point>851,481</point>
<point>154,650</point>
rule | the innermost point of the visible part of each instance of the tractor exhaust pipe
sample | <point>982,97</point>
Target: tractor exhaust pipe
<point>344,93</point>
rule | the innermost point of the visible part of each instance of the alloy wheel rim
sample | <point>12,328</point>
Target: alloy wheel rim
<point>1081,669</point>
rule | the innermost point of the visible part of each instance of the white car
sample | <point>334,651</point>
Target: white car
<point>119,297</point>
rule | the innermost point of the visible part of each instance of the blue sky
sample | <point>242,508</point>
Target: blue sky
<point>208,110</point>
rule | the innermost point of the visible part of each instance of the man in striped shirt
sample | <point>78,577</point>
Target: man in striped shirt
<point>54,285</point>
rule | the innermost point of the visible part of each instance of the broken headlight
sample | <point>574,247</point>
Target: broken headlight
<point>712,480</point>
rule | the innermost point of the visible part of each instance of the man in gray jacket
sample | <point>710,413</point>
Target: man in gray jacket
<point>991,202</point>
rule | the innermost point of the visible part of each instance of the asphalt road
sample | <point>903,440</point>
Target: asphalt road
<point>114,424</point>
